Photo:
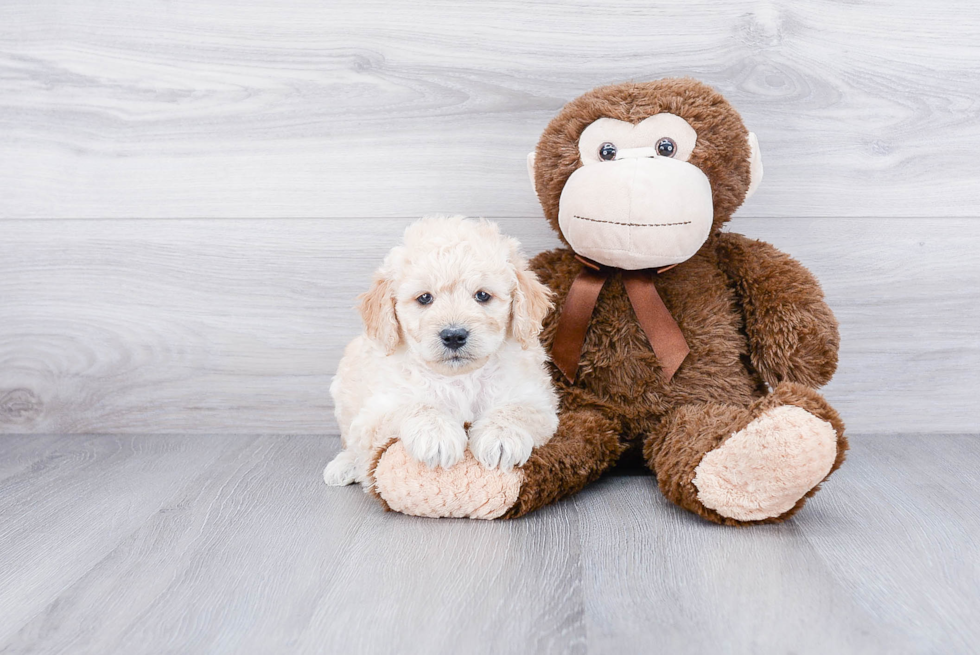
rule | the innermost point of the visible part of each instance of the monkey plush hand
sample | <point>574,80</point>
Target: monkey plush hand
<point>698,349</point>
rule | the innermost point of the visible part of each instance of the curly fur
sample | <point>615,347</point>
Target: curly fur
<point>400,379</point>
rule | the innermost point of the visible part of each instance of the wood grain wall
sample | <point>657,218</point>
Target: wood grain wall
<point>192,193</point>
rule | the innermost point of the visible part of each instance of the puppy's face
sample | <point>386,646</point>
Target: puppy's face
<point>453,294</point>
<point>454,311</point>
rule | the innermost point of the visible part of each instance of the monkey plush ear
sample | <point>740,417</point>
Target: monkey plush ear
<point>530,170</point>
<point>755,165</point>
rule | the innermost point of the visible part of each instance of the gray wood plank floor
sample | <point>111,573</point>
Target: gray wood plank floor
<point>232,544</point>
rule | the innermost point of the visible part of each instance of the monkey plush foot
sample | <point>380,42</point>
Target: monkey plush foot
<point>464,490</point>
<point>764,469</point>
<point>757,464</point>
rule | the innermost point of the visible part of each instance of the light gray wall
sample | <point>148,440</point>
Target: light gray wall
<point>192,193</point>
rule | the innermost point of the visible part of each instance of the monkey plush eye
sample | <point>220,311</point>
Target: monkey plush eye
<point>607,151</point>
<point>424,299</point>
<point>482,296</point>
<point>666,147</point>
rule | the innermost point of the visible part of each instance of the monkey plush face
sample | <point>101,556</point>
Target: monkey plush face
<point>640,175</point>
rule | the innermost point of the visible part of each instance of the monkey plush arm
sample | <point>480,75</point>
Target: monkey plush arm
<point>792,333</point>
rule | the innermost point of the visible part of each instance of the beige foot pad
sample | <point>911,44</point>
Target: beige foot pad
<point>762,470</point>
<point>467,490</point>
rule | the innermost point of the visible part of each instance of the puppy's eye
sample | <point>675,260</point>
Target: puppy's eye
<point>607,151</point>
<point>424,299</point>
<point>666,147</point>
<point>482,296</point>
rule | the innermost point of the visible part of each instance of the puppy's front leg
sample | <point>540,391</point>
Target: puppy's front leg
<point>432,437</point>
<point>343,470</point>
<point>506,435</point>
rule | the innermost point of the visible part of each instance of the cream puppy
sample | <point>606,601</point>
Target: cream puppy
<point>450,357</point>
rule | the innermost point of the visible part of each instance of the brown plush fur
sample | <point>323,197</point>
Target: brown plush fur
<point>585,445</point>
<point>373,467</point>
<point>676,448</point>
<point>751,315</point>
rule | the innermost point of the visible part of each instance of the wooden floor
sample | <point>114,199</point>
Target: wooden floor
<point>232,544</point>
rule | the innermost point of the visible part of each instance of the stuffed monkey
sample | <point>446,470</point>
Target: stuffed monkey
<point>700,349</point>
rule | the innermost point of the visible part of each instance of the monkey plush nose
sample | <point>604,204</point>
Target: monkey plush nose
<point>454,338</point>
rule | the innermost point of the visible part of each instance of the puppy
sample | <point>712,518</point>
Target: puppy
<point>450,357</point>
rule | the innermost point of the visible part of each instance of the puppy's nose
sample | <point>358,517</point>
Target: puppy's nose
<point>454,338</point>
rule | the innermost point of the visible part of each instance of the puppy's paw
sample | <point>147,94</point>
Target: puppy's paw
<point>502,444</point>
<point>433,439</point>
<point>342,470</point>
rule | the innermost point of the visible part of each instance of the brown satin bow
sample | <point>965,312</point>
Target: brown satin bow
<point>661,329</point>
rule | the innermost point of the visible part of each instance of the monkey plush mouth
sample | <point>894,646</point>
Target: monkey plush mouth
<point>636,213</point>
<point>599,220</point>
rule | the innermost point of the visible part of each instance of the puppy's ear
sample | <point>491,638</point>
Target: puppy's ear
<point>377,307</point>
<point>530,303</point>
